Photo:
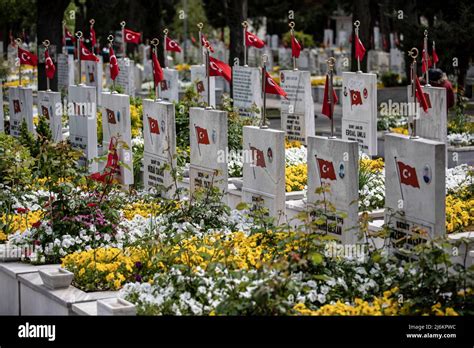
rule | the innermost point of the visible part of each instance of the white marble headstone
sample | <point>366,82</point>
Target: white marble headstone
<point>159,133</point>
<point>334,163</point>
<point>274,43</point>
<point>247,89</point>
<point>170,85</point>
<point>65,71</point>
<point>297,112</point>
<point>93,72</point>
<point>199,81</point>
<point>126,77</point>
<point>83,123</point>
<point>284,58</point>
<point>21,108</point>
<point>116,123</point>
<point>328,37</point>
<point>397,62</point>
<point>378,61</point>
<point>415,188</point>
<point>359,110</point>
<point>376,38</point>
<point>49,105</point>
<point>264,170</point>
<point>208,142</point>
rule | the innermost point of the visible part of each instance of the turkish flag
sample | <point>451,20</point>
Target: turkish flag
<point>407,175</point>
<point>420,95</point>
<point>326,169</point>
<point>258,157</point>
<point>295,47</point>
<point>327,110</point>
<point>359,49</point>
<point>68,35</point>
<point>272,87</point>
<point>27,57</point>
<point>114,67</point>
<point>157,71</point>
<point>206,43</point>
<point>93,37</point>
<point>131,36</point>
<point>172,45</point>
<point>219,68</point>
<point>111,166</point>
<point>356,99</point>
<point>426,62</point>
<point>202,136</point>
<point>87,55</point>
<point>253,40</point>
<point>154,127</point>
<point>50,68</point>
<point>111,116</point>
<point>435,56</point>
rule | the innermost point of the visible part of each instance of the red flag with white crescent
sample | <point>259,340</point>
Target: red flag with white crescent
<point>154,127</point>
<point>206,43</point>
<point>50,68</point>
<point>326,169</point>
<point>68,35</point>
<point>87,55</point>
<point>114,67</point>
<point>253,40</point>
<point>131,36</point>
<point>27,58</point>
<point>202,136</point>
<point>272,87</point>
<point>172,45</point>
<point>356,98</point>
<point>157,70</point>
<point>407,175</point>
<point>219,68</point>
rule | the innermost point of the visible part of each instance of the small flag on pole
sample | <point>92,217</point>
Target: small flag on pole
<point>50,68</point>
<point>157,70</point>
<point>87,55</point>
<point>271,87</point>
<point>295,47</point>
<point>359,49</point>
<point>327,109</point>
<point>114,67</point>
<point>253,40</point>
<point>131,36</point>
<point>27,58</point>
<point>219,68</point>
<point>420,95</point>
<point>172,45</point>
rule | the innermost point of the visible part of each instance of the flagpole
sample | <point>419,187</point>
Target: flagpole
<point>155,43</point>
<point>200,26</point>
<point>18,43</point>
<point>92,21</point>
<point>165,32</point>
<point>399,183</point>
<point>110,38</point>
<point>124,44</point>
<point>264,85</point>
<point>79,38</point>
<point>292,26</point>
<point>331,62</point>
<point>46,44</point>
<point>208,77</point>
<point>244,26</point>
<point>321,185</point>
<point>427,78</point>
<point>253,164</point>
<point>413,53</point>
<point>356,30</point>
<point>434,50</point>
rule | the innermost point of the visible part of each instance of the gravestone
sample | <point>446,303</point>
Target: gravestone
<point>297,112</point>
<point>159,133</point>
<point>116,123</point>
<point>145,52</point>
<point>199,81</point>
<point>21,108</point>
<point>170,85</point>
<point>342,39</point>
<point>253,56</point>
<point>274,43</point>
<point>247,90</point>
<point>333,164</point>
<point>397,62</point>
<point>126,78</point>
<point>93,72</point>
<point>376,38</point>
<point>65,71</point>
<point>264,170</point>
<point>303,60</point>
<point>378,61</point>
<point>284,58</point>
<point>328,37</point>
<point>2,117</point>
<point>49,105</point>
<point>415,189</point>
<point>359,110</point>
<point>208,140</point>
<point>82,110</point>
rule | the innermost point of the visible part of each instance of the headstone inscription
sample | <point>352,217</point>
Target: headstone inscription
<point>21,108</point>
<point>359,110</point>
<point>415,189</point>
<point>159,133</point>
<point>49,106</point>
<point>65,71</point>
<point>126,78</point>
<point>297,112</point>
<point>83,124</point>
<point>333,168</point>
<point>116,125</point>
<point>264,170</point>
<point>247,90</point>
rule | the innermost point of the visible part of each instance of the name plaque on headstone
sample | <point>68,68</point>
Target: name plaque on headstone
<point>65,71</point>
<point>126,77</point>
<point>247,90</point>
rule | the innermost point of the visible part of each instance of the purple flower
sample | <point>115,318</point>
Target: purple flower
<point>138,265</point>
<point>138,278</point>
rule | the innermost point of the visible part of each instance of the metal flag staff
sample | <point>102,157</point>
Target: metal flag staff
<point>200,26</point>
<point>208,76</point>
<point>331,62</point>
<point>110,38</point>
<point>79,38</point>
<point>165,34</point>
<point>245,25</point>
<point>124,44</point>
<point>292,30</point>
<point>155,43</point>
<point>413,53</point>
<point>46,44</point>
<point>434,50</point>
<point>263,124</point>
<point>426,57</point>
<point>356,30</point>
<point>92,21</point>
<point>18,44</point>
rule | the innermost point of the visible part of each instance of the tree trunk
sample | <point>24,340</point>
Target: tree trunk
<point>237,13</point>
<point>49,27</point>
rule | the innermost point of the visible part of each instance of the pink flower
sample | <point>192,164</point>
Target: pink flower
<point>22,210</point>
